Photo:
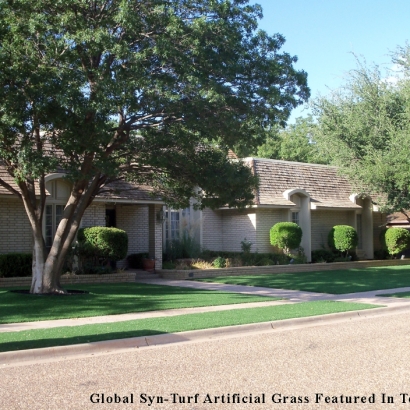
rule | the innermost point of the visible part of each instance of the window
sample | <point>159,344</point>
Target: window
<point>295,217</point>
<point>58,190</point>
<point>172,225</point>
<point>177,223</point>
<point>53,217</point>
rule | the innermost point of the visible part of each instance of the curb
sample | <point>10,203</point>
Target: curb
<point>32,356</point>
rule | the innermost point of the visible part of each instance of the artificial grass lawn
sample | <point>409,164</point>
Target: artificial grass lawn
<point>334,282</point>
<point>112,299</point>
<point>31,339</point>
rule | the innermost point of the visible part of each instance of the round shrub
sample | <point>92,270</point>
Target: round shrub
<point>343,238</point>
<point>102,242</point>
<point>397,240</point>
<point>286,235</point>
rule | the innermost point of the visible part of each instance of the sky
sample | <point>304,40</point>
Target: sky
<point>324,34</point>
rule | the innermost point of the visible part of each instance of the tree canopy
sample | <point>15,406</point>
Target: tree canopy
<point>295,142</point>
<point>364,128</point>
<point>153,91</point>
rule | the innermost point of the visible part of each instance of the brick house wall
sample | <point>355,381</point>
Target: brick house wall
<point>15,230</point>
<point>236,226</point>
<point>134,220</point>
<point>94,216</point>
<point>323,221</point>
<point>211,235</point>
<point>265,219</point>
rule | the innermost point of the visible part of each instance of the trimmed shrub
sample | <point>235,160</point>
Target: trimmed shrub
<point>134,260</point>
<point>397,240</point>
<point>343,238</point>
<point>219,262</point>
<point>102,242</point>
<point>286,235</point>
<point>16,265</point>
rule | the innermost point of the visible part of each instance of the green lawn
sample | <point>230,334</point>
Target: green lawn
<point>111,299</point>
<point>334,282</point>
<point>31,339</point>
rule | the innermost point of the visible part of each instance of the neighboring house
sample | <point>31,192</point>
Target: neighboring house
<point>313,196</point>
<point>397,220</point>
<point>124,206</point>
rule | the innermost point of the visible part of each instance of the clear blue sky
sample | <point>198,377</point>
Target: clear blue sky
<point>324,33</point>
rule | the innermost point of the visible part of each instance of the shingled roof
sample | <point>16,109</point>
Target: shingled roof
<point>326,188</point>
<point>120,191</point>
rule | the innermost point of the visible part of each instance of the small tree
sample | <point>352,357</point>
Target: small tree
<point>397,240</point>
<point>286,235</point>
<point>343,238</point>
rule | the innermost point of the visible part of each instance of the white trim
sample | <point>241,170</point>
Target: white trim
<point>289,192</point>
<point>56,175</point>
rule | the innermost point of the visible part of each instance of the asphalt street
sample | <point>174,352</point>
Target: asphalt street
<point>365,362</point>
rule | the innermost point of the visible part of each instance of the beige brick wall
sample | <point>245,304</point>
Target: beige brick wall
<point>134,220</point>
<point>323,222</point>
<point>15,230</point>
<point>265,219</point>
<point>94,215</point>
<point>211,229</point>
<point>236,226</point>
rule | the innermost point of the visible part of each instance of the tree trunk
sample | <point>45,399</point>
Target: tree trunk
<point>47,271</point>
<point>38,265</point>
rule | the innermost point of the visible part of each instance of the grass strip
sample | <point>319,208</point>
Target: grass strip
<point>112,299</point>
<point>61,336</point>
<point>396,295</point>
<point>334,282</point>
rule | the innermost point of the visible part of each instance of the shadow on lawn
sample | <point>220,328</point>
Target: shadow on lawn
<point>106,299</point>
<point>73,340</point>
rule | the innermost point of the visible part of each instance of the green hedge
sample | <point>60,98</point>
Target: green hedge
<point>343,238</point>
<point>16,265</point>
<point>103,242</point>
<point>286,235</point>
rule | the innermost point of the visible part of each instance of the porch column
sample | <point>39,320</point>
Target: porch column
<point>367,228</point>
<point>306,225</point>
<point>155,235</point>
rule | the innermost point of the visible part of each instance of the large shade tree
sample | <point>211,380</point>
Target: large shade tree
<point>364,128</point>
<point>153,91</point>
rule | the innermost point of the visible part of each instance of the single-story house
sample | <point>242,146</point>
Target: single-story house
<point>314,196</point>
